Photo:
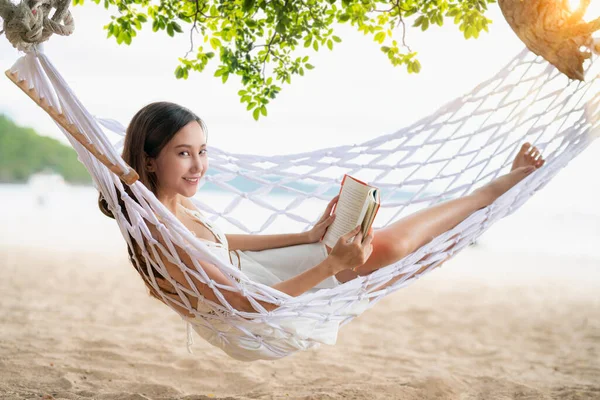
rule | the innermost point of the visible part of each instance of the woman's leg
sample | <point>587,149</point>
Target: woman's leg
<point>406,235</point>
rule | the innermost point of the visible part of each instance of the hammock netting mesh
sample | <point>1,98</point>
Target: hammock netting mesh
<point>464,145</point>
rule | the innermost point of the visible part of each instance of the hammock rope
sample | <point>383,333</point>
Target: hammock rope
<point>463,145</point>
<point>29,23</point>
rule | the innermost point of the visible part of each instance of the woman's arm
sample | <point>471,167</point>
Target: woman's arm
<point>245,242</point>
<point>310,278</point>
<point>294,286</point>
<point>258,242</point>
<point>345,254</point>
<point>263,242</point>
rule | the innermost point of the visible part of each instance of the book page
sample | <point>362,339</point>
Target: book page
<point>350,207</point>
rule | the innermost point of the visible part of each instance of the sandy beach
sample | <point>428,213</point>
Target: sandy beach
<point>79,325</point>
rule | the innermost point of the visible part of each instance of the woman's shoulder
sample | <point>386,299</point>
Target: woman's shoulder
<point>187,203</point>
<point>190,207</point>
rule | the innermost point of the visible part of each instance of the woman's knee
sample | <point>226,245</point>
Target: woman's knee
<point>394,247</point>
<point>386,251</point>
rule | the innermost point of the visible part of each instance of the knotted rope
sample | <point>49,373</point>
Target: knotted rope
<point>29,22</point>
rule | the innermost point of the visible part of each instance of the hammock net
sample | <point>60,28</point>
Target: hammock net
<point>464,145</point>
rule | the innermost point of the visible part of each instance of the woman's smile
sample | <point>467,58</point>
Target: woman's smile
<point>192,181</point>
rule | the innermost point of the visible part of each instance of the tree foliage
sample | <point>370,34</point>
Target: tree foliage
<point>23,153</point>
<point>265,42</point>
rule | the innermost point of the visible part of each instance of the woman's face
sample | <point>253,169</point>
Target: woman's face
<point>181,163</point>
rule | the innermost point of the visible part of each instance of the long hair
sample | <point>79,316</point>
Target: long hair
<point>148,133</point>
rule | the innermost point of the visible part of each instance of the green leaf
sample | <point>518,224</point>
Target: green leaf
<point>439,20</point>
<point>309,66</point>
<point>417,66</point>
<point>247,5</point>
<point>280,28</point>
<point>379,37</point>
<point>215,43</point>
<point>336,39</point>
<point>256,113</point>
<point>178,72</point>
<point>468,32</point>
<point>177,27</point>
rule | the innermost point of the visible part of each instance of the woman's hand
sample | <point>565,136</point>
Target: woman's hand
<point>317,231</point>
<point>351,251</point>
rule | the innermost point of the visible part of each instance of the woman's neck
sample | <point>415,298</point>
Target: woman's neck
<point>171,202</point>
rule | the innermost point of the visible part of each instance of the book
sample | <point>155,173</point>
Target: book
<point>358,204</point>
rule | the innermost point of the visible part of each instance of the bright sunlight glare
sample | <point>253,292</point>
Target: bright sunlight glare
<point>592,12</point>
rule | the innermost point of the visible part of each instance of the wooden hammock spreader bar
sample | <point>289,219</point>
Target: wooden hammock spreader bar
<point>129,177</point>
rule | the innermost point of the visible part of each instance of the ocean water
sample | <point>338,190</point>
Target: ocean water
<point>64,217</point>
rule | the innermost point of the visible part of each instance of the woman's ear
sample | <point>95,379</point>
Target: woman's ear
<point>150,163</point>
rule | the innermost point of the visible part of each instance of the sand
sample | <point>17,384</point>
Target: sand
<point>79,325</point>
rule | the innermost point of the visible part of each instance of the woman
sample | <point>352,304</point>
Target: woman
<point>167,145</point>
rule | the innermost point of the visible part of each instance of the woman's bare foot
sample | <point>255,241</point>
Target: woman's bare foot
<point>528,155</point>
<point>527,160</point>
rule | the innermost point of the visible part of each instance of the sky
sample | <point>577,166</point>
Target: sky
<point>354,93</point>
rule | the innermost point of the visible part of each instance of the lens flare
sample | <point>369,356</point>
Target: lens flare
<point>573,4</point>
<point>593,10</point>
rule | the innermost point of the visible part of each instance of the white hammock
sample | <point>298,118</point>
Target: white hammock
<point>464,145</point>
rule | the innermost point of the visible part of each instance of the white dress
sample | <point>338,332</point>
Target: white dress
<point>269,267</point>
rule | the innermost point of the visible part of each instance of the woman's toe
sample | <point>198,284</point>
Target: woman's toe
<point>528,158</point>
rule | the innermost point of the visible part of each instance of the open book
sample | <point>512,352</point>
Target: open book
<point>358,204</point>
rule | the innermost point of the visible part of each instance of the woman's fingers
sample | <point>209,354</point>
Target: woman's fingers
<point>328,209</point>
<point>329,220</point>
<point>332,202</point>
<point>359,236</point>
<point>368,239</point>
<point>351,233</point>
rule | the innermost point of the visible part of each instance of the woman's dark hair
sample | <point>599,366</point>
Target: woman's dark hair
<point>148,133</point>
